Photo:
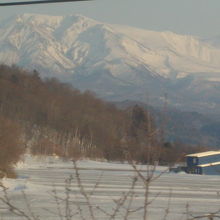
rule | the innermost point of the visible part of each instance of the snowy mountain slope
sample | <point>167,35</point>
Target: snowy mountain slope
<point>167,52</point>
<point>117,62</point>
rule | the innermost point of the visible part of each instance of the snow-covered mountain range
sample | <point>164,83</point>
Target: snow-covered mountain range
<point>117,62</point>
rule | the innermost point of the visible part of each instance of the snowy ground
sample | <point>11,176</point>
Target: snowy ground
<point>43,178</point>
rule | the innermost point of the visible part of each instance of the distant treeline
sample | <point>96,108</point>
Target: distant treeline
<point>49,117</point>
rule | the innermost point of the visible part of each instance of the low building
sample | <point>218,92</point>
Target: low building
<point>203,163</point>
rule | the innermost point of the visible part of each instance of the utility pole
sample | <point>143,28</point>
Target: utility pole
<point>37,2</point>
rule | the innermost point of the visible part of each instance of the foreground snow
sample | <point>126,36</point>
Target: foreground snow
<point>38,177</point>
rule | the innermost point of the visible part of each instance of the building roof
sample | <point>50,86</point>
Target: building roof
<point>209,164</point>
<point>203,154</point>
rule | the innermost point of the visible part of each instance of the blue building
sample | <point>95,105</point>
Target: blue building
<point>204,163</point>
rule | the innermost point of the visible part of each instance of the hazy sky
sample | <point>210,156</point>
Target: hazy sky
<point>196,17</point>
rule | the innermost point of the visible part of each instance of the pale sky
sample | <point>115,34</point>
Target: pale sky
<point>194,17</point>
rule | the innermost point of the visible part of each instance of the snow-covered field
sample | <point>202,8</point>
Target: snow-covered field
<point>43,179</point>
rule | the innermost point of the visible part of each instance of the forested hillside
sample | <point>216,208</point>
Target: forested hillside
<point>191,128</point>
<point>49,117</point>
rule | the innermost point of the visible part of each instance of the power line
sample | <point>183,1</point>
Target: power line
<point>38,2</point>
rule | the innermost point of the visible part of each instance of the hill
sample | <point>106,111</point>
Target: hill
<point>191,128</point>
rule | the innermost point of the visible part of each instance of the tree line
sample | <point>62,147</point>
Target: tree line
<point>45,116</point>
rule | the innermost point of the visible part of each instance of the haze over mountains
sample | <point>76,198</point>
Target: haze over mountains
<point>117,62</point>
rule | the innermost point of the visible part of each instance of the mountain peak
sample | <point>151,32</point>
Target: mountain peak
<point>165,54</point>
<point>108,58</point>
<point>38,19</point>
